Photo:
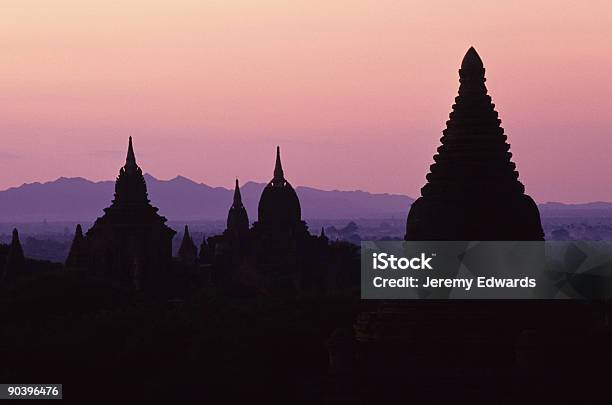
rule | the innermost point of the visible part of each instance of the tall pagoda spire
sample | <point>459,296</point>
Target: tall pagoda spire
<point>472,190</point>
<point>186,235</point>
<point>130,186</point>
<point>77,257</point>
<point>279,175</point>
<point>130,160</point>
<point>237,196</point>
<point>78,234</point>
<point>187,251</point>
<point>237,217</point>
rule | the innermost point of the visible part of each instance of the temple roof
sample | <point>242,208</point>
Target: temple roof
<point>15,259</point>
<point>187,248</point>
<point>474,155</point>
<point>279,175</point>
<point>237,217</point>
<point>78,249</point>
<point>279,204</point>
<point>472,190</point>
<point>131,205</point>
<point>237,203</point>
<point>130,186</point>
<point>130,159</point>
<point>472,60</point>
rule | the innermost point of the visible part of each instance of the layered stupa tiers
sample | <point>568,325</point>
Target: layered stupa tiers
<point>472,190</point>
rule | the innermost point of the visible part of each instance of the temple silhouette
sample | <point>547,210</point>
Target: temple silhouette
<point>12,259</point>
<point>277,255</point>
<point>472,194</point>
<point>280,304</point>
<point>473,191</point>
<point>131,242</point>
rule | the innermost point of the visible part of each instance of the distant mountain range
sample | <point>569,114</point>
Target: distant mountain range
<point>181,199</point>
<point>591,209</point>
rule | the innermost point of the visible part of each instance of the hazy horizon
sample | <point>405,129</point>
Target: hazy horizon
<point>247,181</point>
<point>355,93</point>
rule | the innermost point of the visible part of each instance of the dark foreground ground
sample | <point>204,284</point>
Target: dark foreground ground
<point>225,344</point>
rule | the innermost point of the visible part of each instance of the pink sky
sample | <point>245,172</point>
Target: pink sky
<point>355,92</point>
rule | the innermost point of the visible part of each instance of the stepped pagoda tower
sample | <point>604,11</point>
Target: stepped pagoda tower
<point>131,241</point>
<point>472,194</point>
<point>472,190</point>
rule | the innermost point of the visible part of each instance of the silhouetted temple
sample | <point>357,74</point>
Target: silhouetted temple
<point>277,255</point>
<point>279,211</point>
<point>237,217</point>
<point>228,250</point>
<point>15,262</point>
<point>131,241</point>
<point>281,244</point>
<point>472,190</point>
<point>188,251</point>
<point>78,255</point>
<point>472,194</point>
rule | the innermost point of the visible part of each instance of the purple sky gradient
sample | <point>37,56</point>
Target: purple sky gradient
<point>356,93</point>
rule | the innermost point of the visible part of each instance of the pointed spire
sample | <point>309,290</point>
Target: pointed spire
<point>237,218</point>
<point>187,241</point>
<point>78,236</point>
<point>187,251</point>
<point>278,168</point>
<point>15,260</point>
<point>130,160</point>
<point>472,60</point>
<point>472,73</point>
<point>77,256</point>
<point>130,185</point>
<point>15,240</point>
<point>473,183</point>
<point>237,196</point>
<point>322,236</point>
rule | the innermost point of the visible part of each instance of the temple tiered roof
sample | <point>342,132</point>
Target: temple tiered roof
<point>472,190</point>
<point>131,241</point>
<point>130,186</point>
<point>131,203</point>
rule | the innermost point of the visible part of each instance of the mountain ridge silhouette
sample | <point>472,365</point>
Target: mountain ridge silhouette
<point>180,198</point>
